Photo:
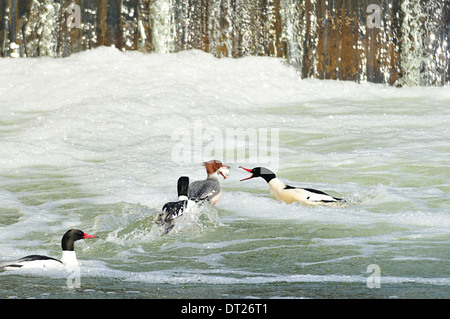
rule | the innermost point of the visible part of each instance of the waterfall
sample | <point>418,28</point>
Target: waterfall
<point>393,42</point>
<point>163,26</point>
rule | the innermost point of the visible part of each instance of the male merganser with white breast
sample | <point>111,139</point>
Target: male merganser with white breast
<point>290,194</point>
<point>173,210</point>
<point>68,257</point>
<point>209,189</point>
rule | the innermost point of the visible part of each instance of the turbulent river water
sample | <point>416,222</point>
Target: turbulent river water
<point>96,141</point>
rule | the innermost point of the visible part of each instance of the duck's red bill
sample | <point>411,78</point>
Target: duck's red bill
<point>248,170</point>
<point>86,236</point>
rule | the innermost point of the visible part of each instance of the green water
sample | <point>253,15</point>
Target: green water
<point>102,161</point>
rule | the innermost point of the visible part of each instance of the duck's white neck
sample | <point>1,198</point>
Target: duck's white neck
<point>69,258</point>
<point>276,185</point>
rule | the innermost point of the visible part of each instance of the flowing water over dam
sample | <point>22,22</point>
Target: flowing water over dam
<point>395,42</point>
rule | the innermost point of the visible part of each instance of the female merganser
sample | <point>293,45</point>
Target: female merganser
<point>68,257</point>
<point>173,210</point>
<point>209,189</point>
<point>290,194</point>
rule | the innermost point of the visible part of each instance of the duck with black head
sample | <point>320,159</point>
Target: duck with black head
<point>172,210</point>
<point>290,194</point>
<point>68,257</point>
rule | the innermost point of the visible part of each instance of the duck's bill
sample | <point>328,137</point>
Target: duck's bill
<point>248,170</point>
<point>86,236</point>
<point>224,171</point>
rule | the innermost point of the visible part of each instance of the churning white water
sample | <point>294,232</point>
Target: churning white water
<point>97,141</point>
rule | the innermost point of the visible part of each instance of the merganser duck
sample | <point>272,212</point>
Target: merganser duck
<point>290,194</point>
<point>173,210</point>
<point>68,257</point>
<point>208,190</point>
